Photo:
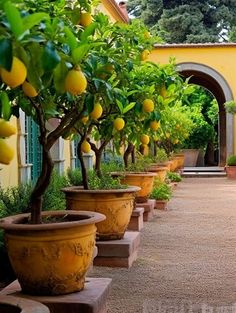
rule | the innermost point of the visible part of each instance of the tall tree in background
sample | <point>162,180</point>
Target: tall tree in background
<point>184,21</point>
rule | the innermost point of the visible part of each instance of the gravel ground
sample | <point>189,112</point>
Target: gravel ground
<point>187,257</point>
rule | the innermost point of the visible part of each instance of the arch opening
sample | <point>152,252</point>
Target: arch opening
<point>210,79</point>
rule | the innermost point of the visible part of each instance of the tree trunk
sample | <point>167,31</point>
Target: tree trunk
<point>83,168</point>
<point>98,154</point>
<point>36,199</point>
<point>128,151</point>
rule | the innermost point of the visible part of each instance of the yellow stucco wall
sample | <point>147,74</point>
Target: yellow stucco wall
<point>9,173</point>
<point>219,58</point>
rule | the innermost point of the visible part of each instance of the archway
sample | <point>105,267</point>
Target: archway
<point>210,79</point>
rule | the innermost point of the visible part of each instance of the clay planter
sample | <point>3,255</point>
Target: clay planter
<point>180,159</point>
<point>231,171</point>
<point>161,171</point>
<point>11,304</point>
<point>161,204</point>
<point>173,164</point>
<point>51,258</point>
<point>191,156</point>
<point>164,164</point>
<point>144,180</point>
<point>117,205</point>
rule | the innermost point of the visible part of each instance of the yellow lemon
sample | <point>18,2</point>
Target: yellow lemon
<point>144,55</point>
<point>119,123</point>
<point>147,35</point>
<point>17,74</point>
<point>155,125</point>
<point>145,149</point>
<point>85,146</point>
<point>29,90</point>
<point>75,82</point>
<point>6,128</point>
<point>176,141</point>
<point>177,126</point>
<point>84,119</point>
<point>167,135</point>
<point>85,19</point>
<point>144,139</point>
<point>97,111</point>
<point>6,152</point>
<point>163,92</point>
<point>148,105</point>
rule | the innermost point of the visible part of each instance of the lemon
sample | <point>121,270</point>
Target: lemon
<point>6,152</point>
<point>177,126</point>
<point>163,92</point>
<point>85,146</point>
<point>85,19</point>
<point>148,105</point>
<point>147,34</point>
<point>119,123</point>
<point>144,139</point>
<point>167,135</point>
<point>75,82</point>
<point>6,128</point>
<point>154,125</point>
<point>97,111</point>
<point>29,90</point>
<point>144,55</point>
<point>176,141</point>
<point>84,119</point>
<point>17,74</point>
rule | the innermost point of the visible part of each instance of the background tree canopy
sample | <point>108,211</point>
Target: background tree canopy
<point>186,21</point>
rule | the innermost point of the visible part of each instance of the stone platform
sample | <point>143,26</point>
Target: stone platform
<point>136,221</point>
<point>148,209</point>
<point>118,253</point>
<point>92,299</point>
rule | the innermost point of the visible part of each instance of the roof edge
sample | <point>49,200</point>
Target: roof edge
<point>111,4</point>
<point>196,45</point>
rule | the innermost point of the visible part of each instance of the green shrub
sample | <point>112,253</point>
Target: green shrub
<point>231,160</point>
<point>162,192</point>
<point>160,156</point>
<point>174,177</point>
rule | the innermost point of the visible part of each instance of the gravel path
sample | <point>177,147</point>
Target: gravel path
<point>187,257</point>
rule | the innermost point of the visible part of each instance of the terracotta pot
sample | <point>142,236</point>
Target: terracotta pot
<point>164,164</point>
<point>51,258</point>
<point>191,156</point>
<point>144,180</point>
<point>174,164</point>
<point>161,204</point>
<point>11,304</point>
<point>231,172</point>
<point>180,159</point>
<point>160,171</point>
<point>117,205</point>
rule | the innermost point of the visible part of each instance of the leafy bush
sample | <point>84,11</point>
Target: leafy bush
<point>105,182</point>
<point>162,192</point>
<point>161,156</point>
<point>174,177</point>
<point>231,160</point>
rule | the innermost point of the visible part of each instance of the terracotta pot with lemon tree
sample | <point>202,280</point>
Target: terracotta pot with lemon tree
<point>50,83</point>
<point>109,91</point>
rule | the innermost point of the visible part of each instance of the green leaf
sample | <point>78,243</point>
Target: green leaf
<point>80,52</point>
<point>59,77</point>
<point>70,38</point>
<point>6,105</point>
<point>50,57</point>
<point>129,107</point>
<point>89,102</point>
<point>6,53</point>
<point>33,19</point>
<point>89,30</point>
<point>120,106</point>
<point>14,19</point>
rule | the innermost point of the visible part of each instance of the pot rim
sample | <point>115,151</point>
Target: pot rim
<point>79,189</point>
<point>13,222</point>
<point>133,174</point>
<point>25,305</point>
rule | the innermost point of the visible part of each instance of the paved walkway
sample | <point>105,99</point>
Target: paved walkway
<point>187,258</point>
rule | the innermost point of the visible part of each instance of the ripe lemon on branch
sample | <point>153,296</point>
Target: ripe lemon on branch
<point>85,19</point>
<point>85,146</point>
<point>6,152</point>
<point>119,123</point>
<point>97,111</point>
<point>155,125</point>
<point>29,90</point>
<point>75,82</point>
<point>148,105</point>
<point>144,139</point>
<point>17,74</point>
<point>6,128</point>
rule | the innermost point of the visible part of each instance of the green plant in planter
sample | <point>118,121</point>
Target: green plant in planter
<point>162,192</point>
<point>231,160</point>
<point>230,107</point>
<point>174,177</point>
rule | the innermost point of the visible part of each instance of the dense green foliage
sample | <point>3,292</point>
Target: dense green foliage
<point>231,160</point>
<point>174,177</point>
<point>188,21</point>
<point>161,192</point>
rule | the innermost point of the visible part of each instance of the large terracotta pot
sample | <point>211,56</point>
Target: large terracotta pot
<point>161,172</point>
<point>51,258</point>
<point>12,304</point>
<point>164,164</point>
<point>231,172</point>
<point>174,164</point>
<point>144,180</point>
<point>117,205</point>
<point>180,160</point>
<point>190,157</point>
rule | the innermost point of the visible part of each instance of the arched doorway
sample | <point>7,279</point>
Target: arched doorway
<point>210,79</point>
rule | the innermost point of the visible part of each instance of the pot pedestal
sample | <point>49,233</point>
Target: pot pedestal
<point>92,299</point>
<point>148,209</point>
<point>118,253</point>
<point>161,205</point>
<point>136,221</point>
